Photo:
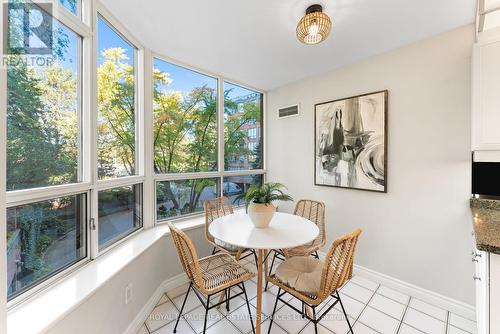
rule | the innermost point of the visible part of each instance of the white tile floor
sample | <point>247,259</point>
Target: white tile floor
<point>371,308</point>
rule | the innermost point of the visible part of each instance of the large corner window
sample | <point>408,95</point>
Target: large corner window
<point>243,145</point>
<point>116,102</point>
<point>63,156</point>
<point>44,238</point>
<point>120,213</point>
<point>185,120</point>
<point>177,198</point>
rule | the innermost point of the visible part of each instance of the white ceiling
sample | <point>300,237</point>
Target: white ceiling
<point>254,41</point>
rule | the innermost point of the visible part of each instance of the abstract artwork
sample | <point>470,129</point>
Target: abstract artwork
<point>351,139</point>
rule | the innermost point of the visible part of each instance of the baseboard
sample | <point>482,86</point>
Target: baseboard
<point>166,285</point>
<point>447,303</point>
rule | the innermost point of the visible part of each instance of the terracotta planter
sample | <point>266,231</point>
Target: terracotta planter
<point>261,214</point>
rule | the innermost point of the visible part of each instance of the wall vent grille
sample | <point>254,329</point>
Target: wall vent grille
<point>288,111</point>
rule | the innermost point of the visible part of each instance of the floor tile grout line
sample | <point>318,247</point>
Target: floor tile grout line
<point>364,308</point>
<point>464,330</point>
<point>415,328</point>
<point>381,311</point>
<point>430,315</point>
<point>361,285</point>
<point>394,300</point>
<point>380,294</point>
<point>364,324</point>
<point>180,315</point>
<point>433,317</point>
<point>397,301</point>
<point>407,306</point>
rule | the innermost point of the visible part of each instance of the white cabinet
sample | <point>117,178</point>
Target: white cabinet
<point>494,293</point>
<point>487,280</point>
<point>481,279</point>
<point>486,94</point>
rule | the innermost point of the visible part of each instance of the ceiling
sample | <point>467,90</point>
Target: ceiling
<point>254,41</point>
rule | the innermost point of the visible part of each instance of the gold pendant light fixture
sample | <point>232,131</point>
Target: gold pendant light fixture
<point>315,26</point>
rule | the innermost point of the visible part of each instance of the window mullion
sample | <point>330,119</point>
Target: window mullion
<point>220,125</point>
<point>147,143</point>
<point>92,136</point>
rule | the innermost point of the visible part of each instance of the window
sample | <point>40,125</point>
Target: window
<point>242,119</point>
<point>252,133</point>
<point>183,197</point>
<point>44,238</point>
<point>43,132</point>
<point>116,85</point>
<point>120,213</point>
<point>185,120</point>
<point>44,146</point>
<point>234,186</point>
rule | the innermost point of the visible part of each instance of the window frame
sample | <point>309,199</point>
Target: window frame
<point>220,173</point>
<point>137,72</point>
<point>260,132</point>
<point>63,271</point>
<point>139,176</point>
<point>84,184</point>
<point>115,241</point>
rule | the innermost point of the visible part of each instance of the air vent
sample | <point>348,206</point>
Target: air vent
<point>288,111</point>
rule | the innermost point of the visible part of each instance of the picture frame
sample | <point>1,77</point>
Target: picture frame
<point>350,146</point>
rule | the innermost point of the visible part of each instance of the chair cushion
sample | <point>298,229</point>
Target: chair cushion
<point>302,273</point>
<point>227,246</point>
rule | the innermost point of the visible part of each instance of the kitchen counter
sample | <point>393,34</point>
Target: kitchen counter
<point>486,222</point>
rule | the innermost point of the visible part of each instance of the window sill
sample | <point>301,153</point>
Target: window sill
<point>46,307</point>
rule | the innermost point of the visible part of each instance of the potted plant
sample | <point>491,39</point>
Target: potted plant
<point>259,202</point>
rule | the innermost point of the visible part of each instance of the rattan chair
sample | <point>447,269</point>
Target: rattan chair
<point>333,273</point>
<point>315,212</point>
<point>210,275</point>
<point>216,208</point>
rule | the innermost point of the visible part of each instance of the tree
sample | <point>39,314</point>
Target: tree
<point>235,122</point>
<point>185,136</point>
<point>41,127</point>
<point>116,101</point>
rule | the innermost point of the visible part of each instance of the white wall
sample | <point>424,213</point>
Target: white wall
<point>420,231</point>
<point>105,311</point>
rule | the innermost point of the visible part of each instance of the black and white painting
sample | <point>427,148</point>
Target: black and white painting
<point>351,142</point>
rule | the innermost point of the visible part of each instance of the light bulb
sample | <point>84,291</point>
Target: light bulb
<point>313,29</point>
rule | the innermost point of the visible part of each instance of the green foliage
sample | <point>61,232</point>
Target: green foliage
<point>266,194</point>
<point>235,122</point>
<point>41,127</point>
<point>116,120</point>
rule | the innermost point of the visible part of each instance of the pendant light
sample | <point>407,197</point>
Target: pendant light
<point>314,27</point>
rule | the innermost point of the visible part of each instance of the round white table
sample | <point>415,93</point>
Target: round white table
<point>284,231</point>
